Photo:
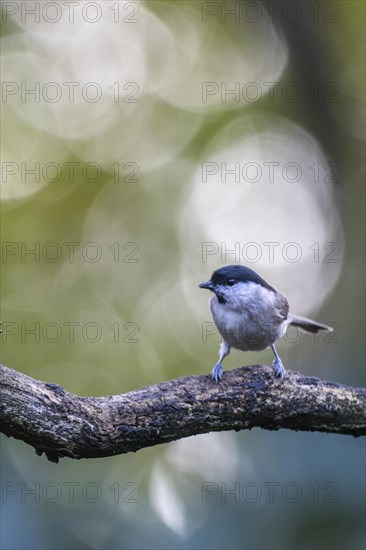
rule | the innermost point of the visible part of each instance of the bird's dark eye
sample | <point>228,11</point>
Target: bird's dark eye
<point>231,282</point>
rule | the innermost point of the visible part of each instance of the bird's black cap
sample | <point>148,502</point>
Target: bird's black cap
<point>232,274</point>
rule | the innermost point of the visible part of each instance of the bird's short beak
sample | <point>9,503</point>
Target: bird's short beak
<point>207,285</point>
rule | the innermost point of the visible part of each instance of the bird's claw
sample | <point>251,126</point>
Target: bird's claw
<point>217,372</point>
<point>278,368</point>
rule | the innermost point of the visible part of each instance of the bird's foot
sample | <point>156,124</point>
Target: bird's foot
<point>278,368</point>
<point>217,372</point>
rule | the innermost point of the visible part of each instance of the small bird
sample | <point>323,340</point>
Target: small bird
<point>250,314</point>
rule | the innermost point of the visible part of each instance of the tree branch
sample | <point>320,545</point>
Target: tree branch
<point>60,424</point>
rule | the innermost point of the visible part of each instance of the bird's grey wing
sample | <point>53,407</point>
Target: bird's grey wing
<point>282,306</point>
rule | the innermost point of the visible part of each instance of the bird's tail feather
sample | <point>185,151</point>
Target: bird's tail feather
<point>308,324</point>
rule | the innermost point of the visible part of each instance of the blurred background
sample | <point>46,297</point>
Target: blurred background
<point>144,145</point>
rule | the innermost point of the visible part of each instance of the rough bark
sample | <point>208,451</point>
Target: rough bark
<point>60,424</point>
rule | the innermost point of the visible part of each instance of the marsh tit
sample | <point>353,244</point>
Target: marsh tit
<point>250,314</point>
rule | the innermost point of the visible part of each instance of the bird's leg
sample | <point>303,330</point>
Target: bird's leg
<point>277,364</point>
<point>217,370</point>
